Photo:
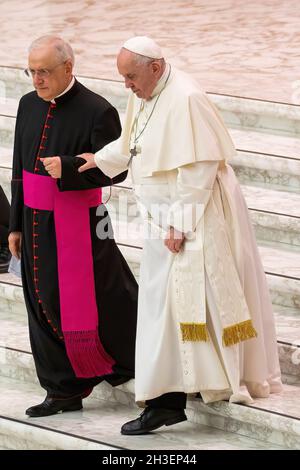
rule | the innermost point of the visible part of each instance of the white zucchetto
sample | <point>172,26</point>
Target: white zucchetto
<point>144,46</point>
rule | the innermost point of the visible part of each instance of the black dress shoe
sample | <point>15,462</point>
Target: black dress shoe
<point>51,406</point>
<point>151,419</point>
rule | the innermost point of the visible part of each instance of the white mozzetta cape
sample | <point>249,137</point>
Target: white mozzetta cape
<point>200,133</point>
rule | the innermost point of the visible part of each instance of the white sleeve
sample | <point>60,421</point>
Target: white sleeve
<point>194,188</point>
<point>110,160</point>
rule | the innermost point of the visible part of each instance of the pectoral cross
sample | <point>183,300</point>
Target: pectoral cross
<point>133,153</point>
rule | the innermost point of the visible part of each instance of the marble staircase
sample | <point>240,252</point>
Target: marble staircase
<point>272,423</point>
<point>267,136</point>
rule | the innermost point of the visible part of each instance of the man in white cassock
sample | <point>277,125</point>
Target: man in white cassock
<point>205,321</point>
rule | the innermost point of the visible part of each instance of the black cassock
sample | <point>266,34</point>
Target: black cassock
<point>79,121</point>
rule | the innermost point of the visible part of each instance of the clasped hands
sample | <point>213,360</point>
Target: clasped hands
<point>52,166</point>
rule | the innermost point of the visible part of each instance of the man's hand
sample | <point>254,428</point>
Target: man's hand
<point>52,166</point>
<point>14,242</point>
<point>174,240</point>
<point>90,162</point>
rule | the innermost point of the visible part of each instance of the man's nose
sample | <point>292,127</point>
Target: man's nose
<point>37,80</point>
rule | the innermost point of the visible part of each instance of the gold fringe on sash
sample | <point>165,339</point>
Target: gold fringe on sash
<point>239,332</point>
<point>194,332</point>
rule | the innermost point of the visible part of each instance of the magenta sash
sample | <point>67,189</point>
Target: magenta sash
<point>79,313</point>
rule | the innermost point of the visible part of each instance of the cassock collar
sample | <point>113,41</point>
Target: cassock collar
<point>68,93</point>
<point>161,82</point>
<point>66,90</point>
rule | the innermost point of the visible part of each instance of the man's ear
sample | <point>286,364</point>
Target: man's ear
<point>156,67</point>
<point>69,67</point>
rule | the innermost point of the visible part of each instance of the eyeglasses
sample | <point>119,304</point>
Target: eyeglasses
<point>41,73</point>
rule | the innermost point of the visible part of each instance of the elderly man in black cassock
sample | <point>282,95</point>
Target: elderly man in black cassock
<point>80,294</point>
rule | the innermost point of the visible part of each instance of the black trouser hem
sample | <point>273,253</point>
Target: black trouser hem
<point>173,400</point>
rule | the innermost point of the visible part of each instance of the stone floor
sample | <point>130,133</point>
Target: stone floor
<point>99,423</point>
<point>234,47</point>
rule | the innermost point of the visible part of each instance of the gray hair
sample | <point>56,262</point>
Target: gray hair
<point>62,48</point>
<point>143,60</point>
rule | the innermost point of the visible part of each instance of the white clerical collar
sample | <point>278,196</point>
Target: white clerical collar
<point>66,90</point>
<point>161,82</point>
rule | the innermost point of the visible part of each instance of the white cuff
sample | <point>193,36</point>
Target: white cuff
<point>110,161</point>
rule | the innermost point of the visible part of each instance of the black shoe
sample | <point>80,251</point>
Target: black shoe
<point>151,419</point>
<point>5,257</point>
<point>51,406</point>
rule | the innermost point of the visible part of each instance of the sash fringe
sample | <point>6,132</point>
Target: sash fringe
<point>87,355</point>
<point>194,332</point>
<point>239,332</point>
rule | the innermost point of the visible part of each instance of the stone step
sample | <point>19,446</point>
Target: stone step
<point>247,139</point>
<point>281,261</point>
<point>252,139</point>
<point>274,172</point>
<point>275,215</point>
<point>7,129</point>
<point>97,425</point>
<point>8,107</point>
<point>257,150</point>
<point>250,422</point>
<point>267,159</point>
<point>237,112</point>
<point>6,157</point>
<point>15,357</point>
<point>287,321</point>
<point>258,115</point>
<point>256,143</point>
<point>269,172</point>
<point>282,267</point>
<point>282,271</point>
<point>275,420</point>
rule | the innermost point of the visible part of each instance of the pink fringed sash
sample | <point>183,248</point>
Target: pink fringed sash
<point>79,313</point>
